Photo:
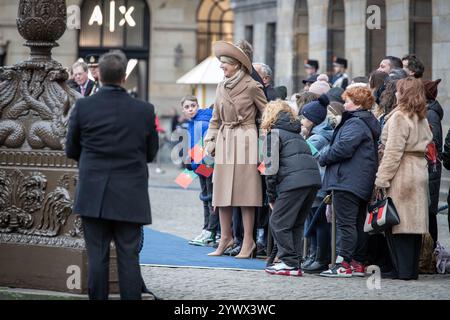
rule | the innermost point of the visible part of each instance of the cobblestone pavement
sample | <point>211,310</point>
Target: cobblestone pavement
<point>179,212</point>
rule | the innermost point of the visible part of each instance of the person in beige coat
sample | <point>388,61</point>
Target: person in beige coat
<point>403,173</point>
<point>232,139</point>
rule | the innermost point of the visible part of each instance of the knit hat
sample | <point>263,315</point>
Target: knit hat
<point>319,87</point>
<point>431,89</point>
<point>316,111</point>
<point>323,77</point>
<point>335,94</point>
<point>281,92</point>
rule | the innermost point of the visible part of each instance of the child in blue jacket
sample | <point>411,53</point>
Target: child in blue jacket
<point>198,126</point>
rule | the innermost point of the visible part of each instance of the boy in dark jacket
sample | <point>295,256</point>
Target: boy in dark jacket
<point>292,184</point>
<point>197,126</point>
<point>352,160</point>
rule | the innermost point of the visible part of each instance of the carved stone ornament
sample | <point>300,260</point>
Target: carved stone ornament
<point>37,181</point>
<point>41,23</point>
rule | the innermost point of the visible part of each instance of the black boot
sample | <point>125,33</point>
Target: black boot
<point>310,258</point>
<point>320,263</point>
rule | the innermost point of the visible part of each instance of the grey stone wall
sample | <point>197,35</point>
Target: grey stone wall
<point>257,14</point>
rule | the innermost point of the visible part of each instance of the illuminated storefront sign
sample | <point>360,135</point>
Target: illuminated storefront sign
<point>73,16</point>
<point>97,16</point>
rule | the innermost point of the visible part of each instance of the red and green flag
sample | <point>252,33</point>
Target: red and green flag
<point>186,178</point>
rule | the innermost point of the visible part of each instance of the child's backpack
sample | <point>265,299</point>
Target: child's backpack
<point>443,259</point>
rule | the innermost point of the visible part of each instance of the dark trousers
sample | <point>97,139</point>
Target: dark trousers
<point>434,186</point>
<point>98,234</point>
<point>405,254</point>
<point>287,220</point>
<point>351,240</point>
<point>320,234</point>
<point>211,218</point>
<point>378,252</point>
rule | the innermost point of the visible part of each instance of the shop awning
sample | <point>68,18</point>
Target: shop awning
<point>207,72</point>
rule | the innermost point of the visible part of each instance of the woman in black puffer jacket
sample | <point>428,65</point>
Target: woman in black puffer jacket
<point>293,179</point>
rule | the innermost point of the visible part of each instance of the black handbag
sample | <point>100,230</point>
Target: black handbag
<point>381,216</point>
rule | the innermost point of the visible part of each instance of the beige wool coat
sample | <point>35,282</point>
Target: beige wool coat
<point>403,170</point>
<point>232,136</point>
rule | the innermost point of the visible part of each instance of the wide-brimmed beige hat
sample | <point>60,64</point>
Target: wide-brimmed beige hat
<point>223,48</point>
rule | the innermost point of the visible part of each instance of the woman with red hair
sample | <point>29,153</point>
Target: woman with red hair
<point>351,164</point>
<point>403,173</point>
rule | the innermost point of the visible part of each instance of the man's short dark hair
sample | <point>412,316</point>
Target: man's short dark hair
<point>415,65</point>
<point>395,62</point>
<point>112,67</point>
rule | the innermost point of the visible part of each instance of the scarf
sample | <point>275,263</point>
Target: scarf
<point>230,83</point>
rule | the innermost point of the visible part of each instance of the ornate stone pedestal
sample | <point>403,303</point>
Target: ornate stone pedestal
<point>41,243</point>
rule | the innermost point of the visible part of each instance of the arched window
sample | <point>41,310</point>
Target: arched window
<point>301,42</point>
<point>336,31</point>
<point>376,38</point>
<point>215,22</point>
<point>421,32</point>
<point>118,24</point>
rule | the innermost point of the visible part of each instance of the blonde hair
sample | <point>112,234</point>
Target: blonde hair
<point>230,61</point>
<point>271,112</point>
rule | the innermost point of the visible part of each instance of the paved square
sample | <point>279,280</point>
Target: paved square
<point>179,212</point>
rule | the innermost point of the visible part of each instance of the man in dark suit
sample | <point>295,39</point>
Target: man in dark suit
<point>80,76</point>
<point>113,136</point>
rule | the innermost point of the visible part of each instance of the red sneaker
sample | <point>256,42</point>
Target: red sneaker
<point>358,268</point>
<point>340,270</point>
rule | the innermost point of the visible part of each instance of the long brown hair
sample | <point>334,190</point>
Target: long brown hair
<point>412,97</point>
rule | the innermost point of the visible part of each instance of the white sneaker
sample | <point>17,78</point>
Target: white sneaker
<point>199,237</point>
<point>283,269</point>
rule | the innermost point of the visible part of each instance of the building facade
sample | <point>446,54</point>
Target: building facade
<point>362,31</point>
<point>167,37</point>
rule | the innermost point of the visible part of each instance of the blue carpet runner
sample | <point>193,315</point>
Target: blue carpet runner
<point>165,249</point>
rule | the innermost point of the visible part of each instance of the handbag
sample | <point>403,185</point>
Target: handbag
<point>381,216</point>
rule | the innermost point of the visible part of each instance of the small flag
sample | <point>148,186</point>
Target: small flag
<point>197,153</point>
<point>185,178</point>
<point>262,168</point>
<point>313,149</point>
<point>260,148</point>
<point>204,171</point>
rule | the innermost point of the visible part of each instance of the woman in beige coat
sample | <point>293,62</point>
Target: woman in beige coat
<point>403,172</point>
<point>233,141</point>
